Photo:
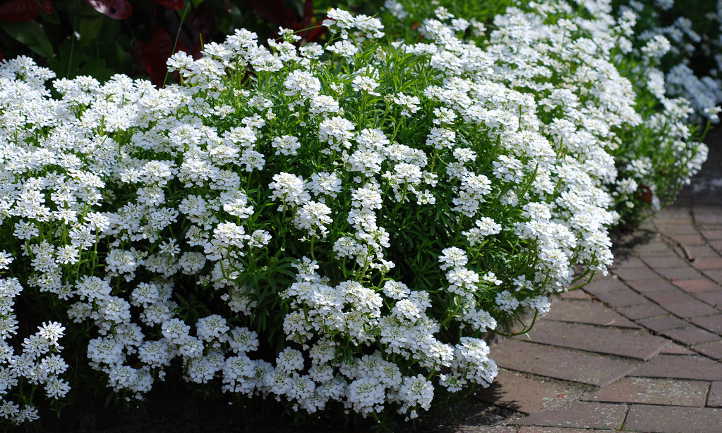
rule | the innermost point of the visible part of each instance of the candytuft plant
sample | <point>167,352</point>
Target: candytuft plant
<point>338,224</point>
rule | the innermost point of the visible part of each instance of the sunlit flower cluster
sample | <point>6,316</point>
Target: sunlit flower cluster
<point>373,207</point>
<point>678,42</point>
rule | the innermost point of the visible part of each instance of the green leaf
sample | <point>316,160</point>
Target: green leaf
<point>32,35</point>
<point>88,28</point>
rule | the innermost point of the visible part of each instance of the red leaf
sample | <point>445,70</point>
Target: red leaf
<point>275,11</point>
<point>202,23</point>
<point>24,10</point>
<point>645,194</point>
<point>155,52</point>
<point>115,9</point>
<point>310,34</point>
<point>171,4</point>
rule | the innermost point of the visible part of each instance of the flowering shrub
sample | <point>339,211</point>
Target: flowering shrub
<point>682,34</point>
<point>327,224</point>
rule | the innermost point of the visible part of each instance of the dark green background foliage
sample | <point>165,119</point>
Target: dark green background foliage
<point>135,37</point>
<point>105,37</point>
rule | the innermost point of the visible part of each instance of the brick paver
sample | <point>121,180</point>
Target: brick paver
<point>691,335</point>
<point>714,399</point>
<point>621,342</point>
<point>713,350</point>
<point>675,349</point>
<point>697,285</point>
<point>540,429</point>
<point>691,308</point>
<point>486,429</point>
<point>561,363</point>
<point>672,392</point>
<point>652,285</point>
<point>580,415</point>
<point>710,323</point>
<point>639,350</point>
<point>711,298</point>
<point>528,394</point>
<point>663,323</point>
<point>670,419</point>
<point>680,367</point>
<point>593,313</point>
<point>642,311</point>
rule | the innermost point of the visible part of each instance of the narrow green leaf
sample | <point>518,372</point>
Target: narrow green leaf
<point>32,35</point>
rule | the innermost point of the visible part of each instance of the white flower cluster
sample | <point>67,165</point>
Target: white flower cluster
<point>38,363</point>
<point>665,141</point>
<point>375,222</point>
<point>679,42</point>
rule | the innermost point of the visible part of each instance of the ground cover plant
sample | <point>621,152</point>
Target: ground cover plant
<point>106,37</point>
<point>336,225</point>
<point>693,64</point>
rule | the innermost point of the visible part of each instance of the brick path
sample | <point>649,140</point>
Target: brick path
<point>636,351</point>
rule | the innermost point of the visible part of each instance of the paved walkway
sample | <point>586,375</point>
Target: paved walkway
<point>636,351</point>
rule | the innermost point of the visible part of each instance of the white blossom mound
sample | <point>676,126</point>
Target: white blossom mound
<point>340,224</point>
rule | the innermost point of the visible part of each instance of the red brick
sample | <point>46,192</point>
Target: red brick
<point>561,363</point>
<point>688,240</point>
<point>689,309</point>
<point>673,215</point>
<point>677,229</point>
<point>485,429</point>
<point>578,295</point>
<point>630,262</point>
<point>715,274</point>
<point>655,285</point>
<point>680,367</point>
<point>670,261</point>
<point>539,429</point>
<point>717,245</point>
<point>672,392</point>
<point>580,415</point>
<point>654,248</point>
<point>707,215</point>
<point>712,234</point>
<point>710,323</point>
<point>641,311</point>
<point>708,263</point>
<point>697,285</point>
<point>636,274</point>
<point>676,349</point>
<point>604,285</point>
<point>669,419</point>
<point>712,298</point>
<point>713,349</point>
<point>587,312</point>
<point>662,323</point>
<point>690,335</point>
<point>702,251</point>
<point>621,342</point>
<point>529,394</point>
<point>714,399</point>
<point>665,298</point>
<point>619,297</point>
<point>687,273</point>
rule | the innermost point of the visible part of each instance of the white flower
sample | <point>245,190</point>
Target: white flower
<point>365,84</point>
<point>289,189</point>
<point>302,83</point>
<point>5,259</point>
<point>51,331</point>
<point>286,145</point>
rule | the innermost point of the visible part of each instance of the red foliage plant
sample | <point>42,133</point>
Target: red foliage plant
<point>115,9</point>
<point>16,11</point>
<point>168,26</point>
